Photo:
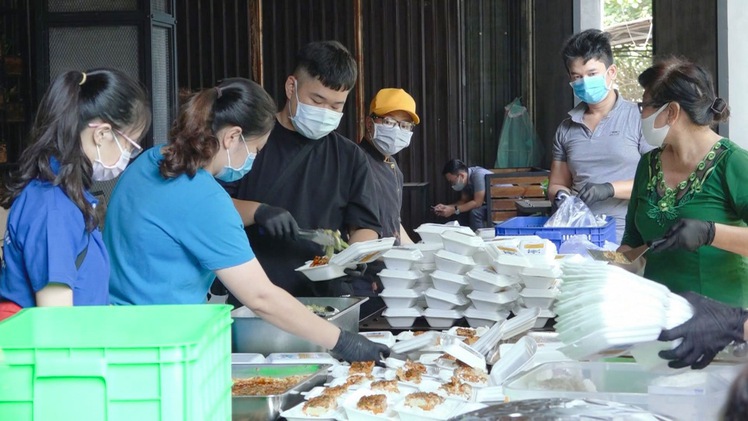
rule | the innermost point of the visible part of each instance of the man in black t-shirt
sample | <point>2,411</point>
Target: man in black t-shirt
<point>307,175</point>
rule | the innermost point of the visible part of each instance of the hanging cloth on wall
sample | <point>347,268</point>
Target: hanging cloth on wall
<point>518,143</point>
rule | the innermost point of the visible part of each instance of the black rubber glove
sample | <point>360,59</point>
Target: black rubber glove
<point>593,193</point>
<point>277,222</point>
<point>561,195</point>
<point>687,234</point>
<point>354,347</point>
<point>714,325</point>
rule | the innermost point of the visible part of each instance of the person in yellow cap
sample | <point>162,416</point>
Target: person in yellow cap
<point>389,128</point>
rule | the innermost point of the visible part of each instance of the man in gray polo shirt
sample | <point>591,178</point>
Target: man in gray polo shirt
<point>597,148</point>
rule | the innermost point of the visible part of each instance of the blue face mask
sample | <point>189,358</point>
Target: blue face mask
<point>313,122</point>
<point>229,173</point>
<point>591,89</point>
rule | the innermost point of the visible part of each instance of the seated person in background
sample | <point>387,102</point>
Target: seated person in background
<point>598,146</point>
<point>470,209</point>
<point>171,228</point>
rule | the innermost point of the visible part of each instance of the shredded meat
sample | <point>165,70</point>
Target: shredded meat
<point>264,386</point>
<point>424,400</point>
<point>376,404</point>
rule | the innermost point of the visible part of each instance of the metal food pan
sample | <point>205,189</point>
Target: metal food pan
<point>251,334</point>
<point>269,407</point>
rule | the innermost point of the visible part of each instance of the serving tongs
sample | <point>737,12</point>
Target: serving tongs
<point>624,257</point>
<point>319,236</point>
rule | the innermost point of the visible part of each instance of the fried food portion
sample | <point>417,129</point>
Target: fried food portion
<point>411,375</point>
<point>470,340</point>
<point>335,391</point>
<point>264,386</point>
<point>361,367</point>
<point>319,405</point>
<point>415,366</point>
<point>423,400</point>
<point>470,375</point>
<point>355,379</point>
<point>376,404</point>
<point>385,386</point>
<point>467,332</point>
<point>457,388</point>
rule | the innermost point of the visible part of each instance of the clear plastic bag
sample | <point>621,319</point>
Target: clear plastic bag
<point>571,213</point>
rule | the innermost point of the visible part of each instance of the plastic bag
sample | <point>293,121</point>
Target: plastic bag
<point>519,145</point>
<point>572,212</point>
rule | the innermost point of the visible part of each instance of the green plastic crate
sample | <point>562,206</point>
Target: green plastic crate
<point>117,363</point>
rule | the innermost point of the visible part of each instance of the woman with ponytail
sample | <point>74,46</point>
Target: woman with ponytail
<point>86,128</point>
<point>172,228</point>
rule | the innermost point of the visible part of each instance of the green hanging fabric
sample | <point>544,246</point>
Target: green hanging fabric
<point>518,143</point>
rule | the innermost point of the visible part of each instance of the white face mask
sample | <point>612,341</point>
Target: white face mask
<point>103,172</point>
<point>313,122</point>
<point>390,140</point>
<point>654,136</point>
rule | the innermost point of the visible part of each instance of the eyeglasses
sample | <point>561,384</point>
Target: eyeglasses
<point>136,149</point>
<point>391,122</point>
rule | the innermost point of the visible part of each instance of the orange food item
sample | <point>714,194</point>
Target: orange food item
<point>319,261</point>
<point>467,332</point>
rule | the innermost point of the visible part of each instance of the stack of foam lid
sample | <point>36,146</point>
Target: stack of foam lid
<point>602,310</point>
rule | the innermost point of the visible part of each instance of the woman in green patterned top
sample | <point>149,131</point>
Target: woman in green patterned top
<point>692,189</point>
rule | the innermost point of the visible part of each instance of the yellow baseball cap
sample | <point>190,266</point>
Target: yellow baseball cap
<point>388,100</point>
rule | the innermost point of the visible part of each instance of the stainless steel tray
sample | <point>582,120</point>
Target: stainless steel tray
<point>251,334</point>
<point>263,408</point>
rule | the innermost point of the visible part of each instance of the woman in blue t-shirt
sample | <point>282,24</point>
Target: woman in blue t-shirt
<point>171,228</point>
<point>53,253</point>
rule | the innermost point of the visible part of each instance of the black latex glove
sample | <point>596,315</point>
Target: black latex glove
<point>593,193</point>
<point>354,347</point>
<point>561,195</point>
<point>714,325</point>
<point>687,234</point>
<point>277,222</point>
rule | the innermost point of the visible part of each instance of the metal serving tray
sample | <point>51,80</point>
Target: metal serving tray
<point>251,334</point>
<point>263,408</point>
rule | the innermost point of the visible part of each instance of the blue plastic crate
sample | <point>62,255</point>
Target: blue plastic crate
<point>533,225</point>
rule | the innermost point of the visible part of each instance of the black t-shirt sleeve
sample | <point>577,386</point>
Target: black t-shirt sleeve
<point>363,208</point>
<point>231,188</point>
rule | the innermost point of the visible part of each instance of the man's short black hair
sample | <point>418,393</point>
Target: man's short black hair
<point>330,62</point>
<point>587,45</point>
<point>454,167</point>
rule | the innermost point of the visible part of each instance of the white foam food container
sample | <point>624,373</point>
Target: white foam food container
<point>399,279</point>
<point>432,233</point>
<point>453,262</point>
<point>461,242</point>
<point>297,414</point>
<point>425,267</point>
<point>427,249</point>
<point>400,258</point>
<point>383,337</point>
<point>549,271</point>
<point>493,301</point>
<point>479,318</point>
<point>398,298</point>
<point>537,282</point>
<point>402,317</point>
<point>442,412</point>
<point>444,300</point>
<point>543,317</point>
<point>363,252</point>
<point>441,319</point>
<point>448,282</point>
<point>454,346</point>
<point>489,281</point>
<point>321,272</point>
<point>541,298</point>
<point>608,343</point>
<point>301,358</point>
<point>417,342</point>
<point>513,361</point>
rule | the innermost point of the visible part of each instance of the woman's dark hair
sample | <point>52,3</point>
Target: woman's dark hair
<point>688,84</point>
<point>72,100</point>
<point>588,45</point>
<point>330,62</point>
<point>736,407</point>
<point>454,166</point>
<point>234,102</point>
